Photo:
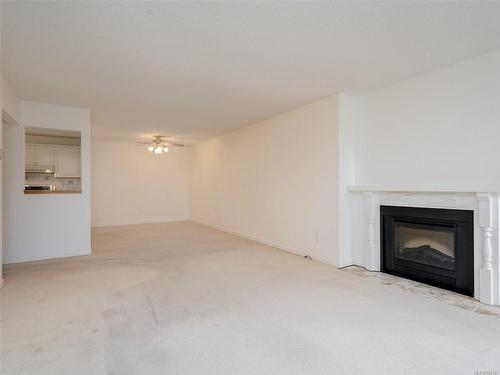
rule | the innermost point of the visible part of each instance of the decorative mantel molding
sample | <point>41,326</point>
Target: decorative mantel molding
<point>370,219</point>
<point>365,226</point>
<point>485,219</point>
<point>419,199</point>
<point>424,189</point>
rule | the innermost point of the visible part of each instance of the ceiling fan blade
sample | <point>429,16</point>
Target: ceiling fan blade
<point>158,141</point>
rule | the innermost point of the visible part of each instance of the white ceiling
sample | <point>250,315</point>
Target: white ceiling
<point>195,69</point>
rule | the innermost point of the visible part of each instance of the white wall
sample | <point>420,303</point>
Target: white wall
<point>10,102</point>
<point>45,226</point>
<point>275,181</point>
<point>1,179</point>
<point>347,174</point>
<point>437,130</point>
<point>441,128</point>
<point>1,199</point>
<point>131,185</point>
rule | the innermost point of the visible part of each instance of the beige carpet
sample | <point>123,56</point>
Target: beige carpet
<point>180,298</point>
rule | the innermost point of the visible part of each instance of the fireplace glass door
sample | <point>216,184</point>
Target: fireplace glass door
<point>432,245</point>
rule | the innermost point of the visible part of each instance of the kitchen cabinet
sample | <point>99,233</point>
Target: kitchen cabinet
<point>39,155</point>
<point>30,158</point>
<point>45,155</point>
<point>67,160</point>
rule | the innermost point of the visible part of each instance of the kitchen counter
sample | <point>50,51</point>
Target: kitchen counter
<point>52,192</point>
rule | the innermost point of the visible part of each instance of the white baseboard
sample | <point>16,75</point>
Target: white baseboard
<point>346,263</point>
<point>265,242</point>
<point>126,224</point>
<point>36,257</point>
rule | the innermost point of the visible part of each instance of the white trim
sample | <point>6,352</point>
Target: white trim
<point>137,223</point>
<point>264,242</point>
<point>485,221</point>
<point>426,189</point>
<point>51,256</point>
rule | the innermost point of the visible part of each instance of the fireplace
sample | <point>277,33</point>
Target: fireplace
<point>430,245</point>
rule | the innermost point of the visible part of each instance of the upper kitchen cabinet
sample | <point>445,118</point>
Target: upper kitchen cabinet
<point>67,162</point>
<point>45,155</point>
<point>52,161</point>
<point>39,157</point>
<point>30,157</point>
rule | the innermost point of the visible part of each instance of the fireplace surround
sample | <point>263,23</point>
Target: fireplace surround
<point>430,245</point>
<point>360,234</point>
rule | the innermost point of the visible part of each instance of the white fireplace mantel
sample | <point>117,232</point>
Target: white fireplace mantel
<point>426,189</point>
<point>364,236</point>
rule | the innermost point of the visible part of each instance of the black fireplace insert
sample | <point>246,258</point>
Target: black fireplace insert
<point>430,245</point>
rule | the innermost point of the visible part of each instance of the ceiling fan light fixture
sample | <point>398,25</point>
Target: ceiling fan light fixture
<point>159,145</point>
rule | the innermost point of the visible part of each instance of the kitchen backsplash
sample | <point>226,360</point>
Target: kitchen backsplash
<point>62,184</point>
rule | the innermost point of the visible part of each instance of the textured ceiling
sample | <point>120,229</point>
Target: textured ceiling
<point>195,70</point>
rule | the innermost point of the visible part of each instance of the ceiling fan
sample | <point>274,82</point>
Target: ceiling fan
<point>159,144</point>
